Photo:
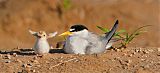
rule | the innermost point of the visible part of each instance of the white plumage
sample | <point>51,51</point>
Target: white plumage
<point>41,45</point>
<point>81,41</point>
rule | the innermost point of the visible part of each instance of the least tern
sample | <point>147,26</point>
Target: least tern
<point>81,41</point>
<point>41,45</point>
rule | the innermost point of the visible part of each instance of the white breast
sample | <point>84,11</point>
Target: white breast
<point>75,45</point>
<point>41,46</point>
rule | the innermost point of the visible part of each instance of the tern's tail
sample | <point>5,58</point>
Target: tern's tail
<point>110,34</point>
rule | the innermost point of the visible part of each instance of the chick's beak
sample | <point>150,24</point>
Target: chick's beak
<point>66,33</point>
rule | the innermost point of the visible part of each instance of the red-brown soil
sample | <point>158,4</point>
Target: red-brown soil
<point>129,60</point>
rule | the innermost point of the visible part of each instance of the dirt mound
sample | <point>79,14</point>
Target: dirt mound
<point>129,60</point>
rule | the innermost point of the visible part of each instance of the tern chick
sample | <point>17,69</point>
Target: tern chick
<point>41,45</point>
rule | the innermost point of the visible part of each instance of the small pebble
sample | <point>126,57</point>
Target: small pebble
<point>158,63</point>
<point>142,59</point>
<point>0,55</point>
<point>7,56</point>
<point>124,54</point>
<point>33,70</point>
<point>15,54</point>
<point>130,55</point>
<point>134,53</point>
<point>38,65</point>
<point>29,65</point>
<point>145,52</point>
<point>146,66</point>
<point>8,61</point>
<point>24,65</point>
<point>128,61</point>
<point>34,61</point>
<point>127,64</point>
<point>158,49</point>
<point>117,50</point>
<point>35,57</point>
<point>150,50</point>
<point>18,61</point>
<point>17,47</point>
<point>136,50</point>
<point>47,62</point>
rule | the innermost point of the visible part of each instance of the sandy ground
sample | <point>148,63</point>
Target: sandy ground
<point>129,60</point>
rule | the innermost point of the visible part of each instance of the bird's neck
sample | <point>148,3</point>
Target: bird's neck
<point>83,33</point>
<point>42,39</point>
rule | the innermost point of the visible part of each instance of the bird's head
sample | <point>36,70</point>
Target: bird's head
<point>75,30</point>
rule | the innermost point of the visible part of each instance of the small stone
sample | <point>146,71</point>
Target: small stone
<point>122,48</point>
<point>38,65</point>
<point>158,49</point>
<point>124,67</point>
<point>124,54</point>
<point>146,66</point>
<point>142,59</point>
<point>17,47</point>
<point>127,64</point>
<point>29,65</point>
<point>136,50</point>
<point>40,56</point>
<point>7,56</point>
<point>150,50</point>
<point>130,55</point>
<point>24,65</point>
<point>112,49</point>
<point>140,49</point>
<point>34,61</point>
<point>145,52</point>
<point>128,61</point>
<point>24,71</point>
<point>35,57</point>
<point>117,50</point>
<point>8,61</point>
<point>33,70</point>
<point>15,54</point>
<point>158,63</point>
<point>0,55</point>
<point>47,62</point>
<point>18,61</point>
<point>51,47</point>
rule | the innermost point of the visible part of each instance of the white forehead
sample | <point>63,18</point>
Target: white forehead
<point>71,29</point>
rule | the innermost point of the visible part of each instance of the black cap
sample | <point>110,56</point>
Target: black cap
<point>76,28</point>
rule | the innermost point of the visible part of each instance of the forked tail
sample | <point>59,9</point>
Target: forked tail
<point>110,34</point>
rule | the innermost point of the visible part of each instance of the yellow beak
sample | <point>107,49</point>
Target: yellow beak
<point>66,33</point>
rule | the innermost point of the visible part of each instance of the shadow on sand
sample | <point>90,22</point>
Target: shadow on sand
<point>29,51</point>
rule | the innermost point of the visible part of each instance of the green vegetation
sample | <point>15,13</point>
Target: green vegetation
<point>125,36</point>
<point>66,4</point>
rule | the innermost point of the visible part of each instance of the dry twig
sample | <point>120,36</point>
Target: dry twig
<point>63,63</point>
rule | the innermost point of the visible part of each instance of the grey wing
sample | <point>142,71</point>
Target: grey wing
<point>93,38</point>
<point>94,44</point>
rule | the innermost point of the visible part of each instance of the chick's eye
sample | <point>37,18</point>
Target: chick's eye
<point>44,35</point>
